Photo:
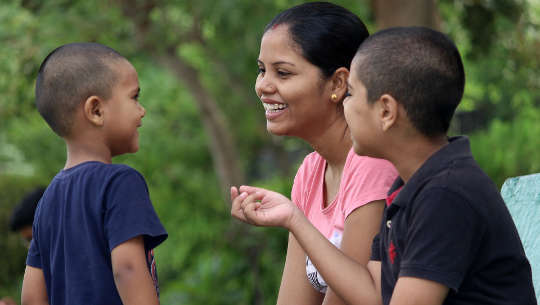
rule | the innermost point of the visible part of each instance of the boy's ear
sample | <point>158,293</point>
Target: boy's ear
<point>389,111</point>
<point>339,84</point>
<point>93,110</point>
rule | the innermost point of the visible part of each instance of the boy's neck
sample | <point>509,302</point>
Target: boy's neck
<point>412,154</point>
<point>83,151</point>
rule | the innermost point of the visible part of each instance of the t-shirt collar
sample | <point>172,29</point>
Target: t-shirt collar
<point>458,147</point>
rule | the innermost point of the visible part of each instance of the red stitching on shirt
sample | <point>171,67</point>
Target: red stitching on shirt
<point>392,252</point>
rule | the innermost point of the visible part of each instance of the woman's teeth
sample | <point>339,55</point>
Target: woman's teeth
<point>274,107</point>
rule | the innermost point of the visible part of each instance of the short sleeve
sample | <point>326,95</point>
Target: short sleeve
<point>34,258</point>
<point>34,255</point>
<point>443,237</point>
<point>369,179</point>
<point>296,192</point>
<point>129,211</point>
<point>300,180</point>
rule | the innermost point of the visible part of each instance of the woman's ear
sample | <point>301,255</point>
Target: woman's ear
<point>339,84</point>
<point>93,110</point>
<point>389,111</point>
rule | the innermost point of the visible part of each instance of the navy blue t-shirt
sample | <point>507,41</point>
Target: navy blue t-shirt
<point>87,211</point>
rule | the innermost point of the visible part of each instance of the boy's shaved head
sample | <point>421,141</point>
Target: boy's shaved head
<point>68,76</point>
<point>419,67</point>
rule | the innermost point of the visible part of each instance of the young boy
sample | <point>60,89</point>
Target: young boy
<point>95,226</point>
<point>446,235</point>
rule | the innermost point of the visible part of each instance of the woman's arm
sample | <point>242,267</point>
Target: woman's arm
<point>360,228</point>
<point>295,288</point>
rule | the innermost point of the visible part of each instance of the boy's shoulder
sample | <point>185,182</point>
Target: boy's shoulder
<point>453,170</point>
<point>92,169</point>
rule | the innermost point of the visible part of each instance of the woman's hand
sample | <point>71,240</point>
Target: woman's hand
<point>262,207</point>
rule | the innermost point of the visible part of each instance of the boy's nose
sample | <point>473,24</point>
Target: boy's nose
<point>143,110</point>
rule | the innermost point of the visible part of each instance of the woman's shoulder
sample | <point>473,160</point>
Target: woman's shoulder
<point>355,162</point>
<point>311,161</point>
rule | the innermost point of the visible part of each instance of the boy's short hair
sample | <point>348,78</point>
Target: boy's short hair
<point>419,67</point>
<point>23,213</point>
<point>68,76</point>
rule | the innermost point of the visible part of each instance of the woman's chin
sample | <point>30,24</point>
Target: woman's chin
<point>276,130</point>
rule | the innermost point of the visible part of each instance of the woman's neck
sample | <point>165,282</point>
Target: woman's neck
<point>333,144</point>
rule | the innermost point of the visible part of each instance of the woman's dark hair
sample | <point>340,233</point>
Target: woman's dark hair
<point>327,34</point>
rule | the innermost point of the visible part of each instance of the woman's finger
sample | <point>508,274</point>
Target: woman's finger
<point>234,192</point>
<point>236,208</point>
<point>250,212</point>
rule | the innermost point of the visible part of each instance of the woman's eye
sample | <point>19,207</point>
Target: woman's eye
<point>283,73</point>
<point>260,70</point>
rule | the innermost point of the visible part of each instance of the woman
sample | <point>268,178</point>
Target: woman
<point>303,69</point>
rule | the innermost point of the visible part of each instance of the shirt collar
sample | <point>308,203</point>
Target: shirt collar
<point>458,147</point>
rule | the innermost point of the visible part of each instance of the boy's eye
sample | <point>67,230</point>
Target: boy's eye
<point>136,97</point>
<point>260,70</point>
<point>347,94</point>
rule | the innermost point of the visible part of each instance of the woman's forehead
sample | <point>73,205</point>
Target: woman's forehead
<point>278,45</point>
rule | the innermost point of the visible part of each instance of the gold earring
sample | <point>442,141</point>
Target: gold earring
<point>334,97</point>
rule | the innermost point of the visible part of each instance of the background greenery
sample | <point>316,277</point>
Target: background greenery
<point>210,258</point>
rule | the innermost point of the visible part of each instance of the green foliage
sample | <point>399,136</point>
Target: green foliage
<point>509,147</point>
<point>12,248</point>
<point>210,258</point>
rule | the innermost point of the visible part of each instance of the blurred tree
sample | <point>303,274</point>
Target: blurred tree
<point>205,128</point>
<point>390,13</point>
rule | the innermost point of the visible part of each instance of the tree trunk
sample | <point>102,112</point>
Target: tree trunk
<point>221,143</point>
<point>391,13</point>
<point>221,146</point>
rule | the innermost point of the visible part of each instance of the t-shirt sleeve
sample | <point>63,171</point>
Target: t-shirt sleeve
<point>34,256</point>
<point>301,178</point>
<point>442,238</point>
<point>129,212</point>
<point>368,179</point>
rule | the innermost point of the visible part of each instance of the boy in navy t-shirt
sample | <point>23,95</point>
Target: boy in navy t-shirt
<point>95,227</point>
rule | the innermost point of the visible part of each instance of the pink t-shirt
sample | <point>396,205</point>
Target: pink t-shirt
<point>363,180</point>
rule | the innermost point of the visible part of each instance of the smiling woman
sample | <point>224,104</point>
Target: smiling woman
<point>304,61</point>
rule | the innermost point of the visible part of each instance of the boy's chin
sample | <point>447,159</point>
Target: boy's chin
<point>361,151</point>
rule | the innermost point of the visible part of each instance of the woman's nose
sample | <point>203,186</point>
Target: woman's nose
<point>264,85</point>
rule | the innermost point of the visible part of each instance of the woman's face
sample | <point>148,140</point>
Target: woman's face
<point>292,90</point>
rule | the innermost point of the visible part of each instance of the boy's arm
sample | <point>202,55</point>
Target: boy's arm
<point>417,291</point>
<point>34,290</point>
<point>131,275</point>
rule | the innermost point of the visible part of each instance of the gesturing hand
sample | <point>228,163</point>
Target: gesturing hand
<point>262,207</point>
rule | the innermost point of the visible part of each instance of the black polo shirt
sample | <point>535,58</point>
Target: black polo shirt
<point>449,224</point>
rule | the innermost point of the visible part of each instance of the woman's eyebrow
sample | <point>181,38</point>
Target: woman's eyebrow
<point>282,63</point>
